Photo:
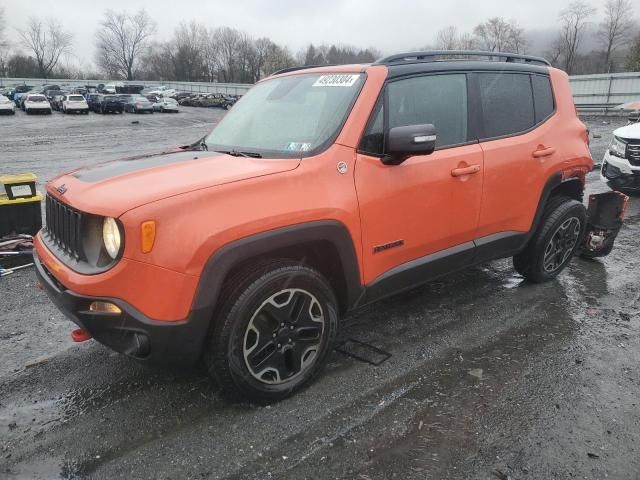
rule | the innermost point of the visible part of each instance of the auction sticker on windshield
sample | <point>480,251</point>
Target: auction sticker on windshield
<point>336,80</point>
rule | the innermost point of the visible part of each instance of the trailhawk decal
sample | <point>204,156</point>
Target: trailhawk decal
<point>336,80</point>
<point>115,168</point>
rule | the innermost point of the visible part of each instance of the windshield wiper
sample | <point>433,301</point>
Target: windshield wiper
<point>236,153</point>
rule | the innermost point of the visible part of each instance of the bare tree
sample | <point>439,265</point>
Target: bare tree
<point>122,40</point>
<point>633,57</point>
<point>499,35</point>
<point>447,38</point>
<point>573,20</point>
<point>3,27</point>
<point>276,58</point>
<point>211,56</point>
<point>616,29</point>
<point>187,51</point>
<point>517,40</point>
<point>467,42</point>
<point>4,45</point>
<point>47,41</point>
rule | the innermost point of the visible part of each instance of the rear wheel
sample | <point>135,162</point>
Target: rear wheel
<point>274,332</point>
<point>555,241</point>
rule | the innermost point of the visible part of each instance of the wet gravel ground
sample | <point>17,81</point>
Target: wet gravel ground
<point>490,377</point>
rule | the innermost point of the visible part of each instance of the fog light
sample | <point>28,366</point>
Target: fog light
<point>104,307</point>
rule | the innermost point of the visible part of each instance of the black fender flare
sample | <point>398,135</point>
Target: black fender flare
<point>221,262</point>
<point>554,181</point>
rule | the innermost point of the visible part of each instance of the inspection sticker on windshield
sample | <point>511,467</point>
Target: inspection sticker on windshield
<point>298,147</point>
<point>336,80</point>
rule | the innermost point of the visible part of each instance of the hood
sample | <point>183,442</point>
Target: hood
<point>112,188</point>
<point>629,132</point>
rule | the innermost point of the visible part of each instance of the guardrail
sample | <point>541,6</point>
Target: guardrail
<point>603,92</point>
<point>195,87</point>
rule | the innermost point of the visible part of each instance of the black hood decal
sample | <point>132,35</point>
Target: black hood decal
<point>124,166</point>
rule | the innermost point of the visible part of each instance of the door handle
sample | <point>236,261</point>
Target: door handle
<point>471,169</point>
<point>544,152</point>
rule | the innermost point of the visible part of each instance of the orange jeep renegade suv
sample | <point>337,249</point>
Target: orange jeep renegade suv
<point>322,190</point>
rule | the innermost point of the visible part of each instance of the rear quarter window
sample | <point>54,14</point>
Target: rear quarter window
<point>542,97</point>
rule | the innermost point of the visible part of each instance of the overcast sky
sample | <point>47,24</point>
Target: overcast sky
<point>388,25</point>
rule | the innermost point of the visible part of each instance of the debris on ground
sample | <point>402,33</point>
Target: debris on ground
<point>16,253</point>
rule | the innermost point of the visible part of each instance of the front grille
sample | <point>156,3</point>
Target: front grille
<point>64,226</point>
<point>633,154</point>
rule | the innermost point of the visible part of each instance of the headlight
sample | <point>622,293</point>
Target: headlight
<point>618,147</point>
<point>111,237</point>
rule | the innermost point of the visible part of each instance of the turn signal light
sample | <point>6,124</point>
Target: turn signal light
<point>147,235</point>
<point>104,307</point>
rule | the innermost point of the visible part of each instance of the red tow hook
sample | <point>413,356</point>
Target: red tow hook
<point>79,335</point>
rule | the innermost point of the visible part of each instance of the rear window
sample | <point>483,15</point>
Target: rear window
<point>37,98</point>
<point>76,98</point>
<point>507,103</point>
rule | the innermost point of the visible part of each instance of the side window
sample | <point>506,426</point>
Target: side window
<point>437,99</point>
<point>542,97</point>
<point>507,103</point>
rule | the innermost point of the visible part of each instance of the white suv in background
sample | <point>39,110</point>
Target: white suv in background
<point>621,163</point>
<point>74,103</point>
<point>37,103</point>
<point>6,105</point>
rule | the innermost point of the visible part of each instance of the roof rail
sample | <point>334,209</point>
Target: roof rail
<point>303,67</point>
<point>430,56</point>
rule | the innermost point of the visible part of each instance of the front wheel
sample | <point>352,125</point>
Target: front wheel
<point>555,241</point>
<point>274,332</point>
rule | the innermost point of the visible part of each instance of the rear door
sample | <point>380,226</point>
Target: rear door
<point>419,207</point>
<point>514,136</point>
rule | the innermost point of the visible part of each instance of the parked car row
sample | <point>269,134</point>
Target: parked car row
<point>209,100</point>
<point>76,103</point>
<point>110,98</point>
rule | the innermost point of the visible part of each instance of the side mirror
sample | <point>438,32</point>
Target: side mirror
<point>405,142</point>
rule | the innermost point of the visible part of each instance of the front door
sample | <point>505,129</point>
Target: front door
<point>428,203</point>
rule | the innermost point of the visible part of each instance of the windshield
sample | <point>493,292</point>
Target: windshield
<point>290,115</point>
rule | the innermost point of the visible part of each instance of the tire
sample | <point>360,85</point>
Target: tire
<point>277,369</point>
<point>555,241</point>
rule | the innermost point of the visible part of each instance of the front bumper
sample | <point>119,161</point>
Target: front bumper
<point>131,332</point>
<point>619,174</point>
